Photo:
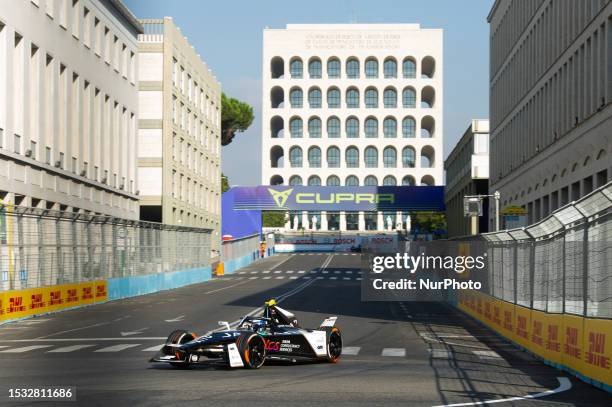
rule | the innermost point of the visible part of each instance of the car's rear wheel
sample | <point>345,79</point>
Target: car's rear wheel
<point>178,337</point>
<point>252,350</point>
<point>334,344</point>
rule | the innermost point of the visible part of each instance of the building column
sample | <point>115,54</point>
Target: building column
<point>380,222</point>
<point>323,220</point>
<point>305,222</point>
<point>342,221</point>
<point>361,221</point>
<point>399,224</point>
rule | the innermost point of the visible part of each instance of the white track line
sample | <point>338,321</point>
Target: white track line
<point>351,350</point>
<point>564,385</point>
<point>225,288</point>
<point>67,349</point>
<point>25,349</point>
<point>117,348</point>
<point>153,348</point>
<point>397,352</point>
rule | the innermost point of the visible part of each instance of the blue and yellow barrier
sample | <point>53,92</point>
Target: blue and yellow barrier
<point>579,345</point>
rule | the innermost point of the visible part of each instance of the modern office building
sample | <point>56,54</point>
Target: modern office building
<point>68,105</point>
<point>179,131</point>
<point>352,104</point>
<point>467,173</point>
<point>550,94</point>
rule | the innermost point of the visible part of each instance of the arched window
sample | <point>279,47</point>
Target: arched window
<point>314,157</point>
<point>277,127</point>
<point>390,98</point>
<point>352,97</point>
<point>428,67</point>
<point>428,97</point>
<point>295,180</point>
<point>371,68</point>
<point>295,127</point>
<point>371,98</point>
<point>296,69</point>
<point>390,68</point>
<point>351,181</point>
<point>389,157</point>
<point>409,98</point>
<point>408,181</point>
<point>333,98</point>
<point>370,181</point>
<point>314,98</point>
<point>428,157</point>
<point>276,157</point>
<point>428,127</point>
<point>277,97</point>
<point>390,128</point>
<point>333,127</point>
<point>295,157</point>
<point>409,68</point>
<point>352,68</point>
<point>408,157</point>
<point>389,181</point>
<point>333,157</point>
<point>333,68</point>
<point>371,157</point>
<point>408,127</point>
<point>296,98</point>
<point>314,181</point>
<point>276,180</point>
<point>352,127</point>
<point>427,180</point>
<point>333,181</point>
<point>352,157</point>
<point>314,68</point>
<point>277,67</point>
<point>371,127</point>
<point>314,127</point>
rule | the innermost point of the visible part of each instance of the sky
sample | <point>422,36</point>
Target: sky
<point>228,36</point>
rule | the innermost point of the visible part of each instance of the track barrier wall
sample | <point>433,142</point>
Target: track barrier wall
<point>549,288</point>
<point>239,253</point>
<point>57,260</point>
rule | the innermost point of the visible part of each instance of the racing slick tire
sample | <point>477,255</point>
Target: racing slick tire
<point>252,350</point>
<point>179,337</point>
<point>334,344</point>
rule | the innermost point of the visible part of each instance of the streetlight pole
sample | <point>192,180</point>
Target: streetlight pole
<point>496,195</point>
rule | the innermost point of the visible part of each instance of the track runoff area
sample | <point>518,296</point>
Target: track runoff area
<point>395,353</point>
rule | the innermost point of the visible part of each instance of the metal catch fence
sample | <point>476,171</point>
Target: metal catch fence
<point>562,264</point>
<point>41,247</point>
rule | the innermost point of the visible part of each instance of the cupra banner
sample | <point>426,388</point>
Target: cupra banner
<point>315,198</point>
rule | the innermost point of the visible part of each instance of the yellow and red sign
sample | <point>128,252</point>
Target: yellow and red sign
<point>581,344</point>
<point>23,303</point>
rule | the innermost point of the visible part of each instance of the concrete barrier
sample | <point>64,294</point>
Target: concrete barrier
<point>230,266</point>
<point>124,287</point>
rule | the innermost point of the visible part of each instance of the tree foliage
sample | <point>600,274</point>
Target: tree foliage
<point>225,186</point>
<point>273,219</point>
<point>236,116</point>
<point>428,222</point>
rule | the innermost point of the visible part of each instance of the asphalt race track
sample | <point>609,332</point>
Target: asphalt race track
<point>395,353</point>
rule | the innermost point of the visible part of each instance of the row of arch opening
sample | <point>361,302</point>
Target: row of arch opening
<point>352,97</point>
<point>352,128</point>
<point>353,180</point>
<point>352,67</point>
<point>353,158</point>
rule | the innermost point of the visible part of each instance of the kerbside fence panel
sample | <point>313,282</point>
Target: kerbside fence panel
<point>551,290</point>
<point>52,260</point>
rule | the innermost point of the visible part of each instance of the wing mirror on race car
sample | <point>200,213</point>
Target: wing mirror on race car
<point>225,324</point>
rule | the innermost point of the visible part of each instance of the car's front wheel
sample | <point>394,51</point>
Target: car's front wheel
<point>334,344</point>
<point>252,350</point>
<point>178,337</point>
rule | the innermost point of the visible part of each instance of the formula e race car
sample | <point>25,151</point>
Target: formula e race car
<point>275,335</point>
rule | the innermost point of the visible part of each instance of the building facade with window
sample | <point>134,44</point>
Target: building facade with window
<point>352,105</point>
<point>179,131</point>
<point>467,173</point>
<point>68,106</point>
<point>550,94</point>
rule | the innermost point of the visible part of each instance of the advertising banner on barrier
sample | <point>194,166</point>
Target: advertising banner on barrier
<point>598,349</point>
<point>315,198</point>
<point>33,301</point>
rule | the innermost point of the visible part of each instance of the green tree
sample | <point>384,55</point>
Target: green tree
<point>236,116</point>
<point>428,222</point>
<point>273,219</point>
<point>225,186</point>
